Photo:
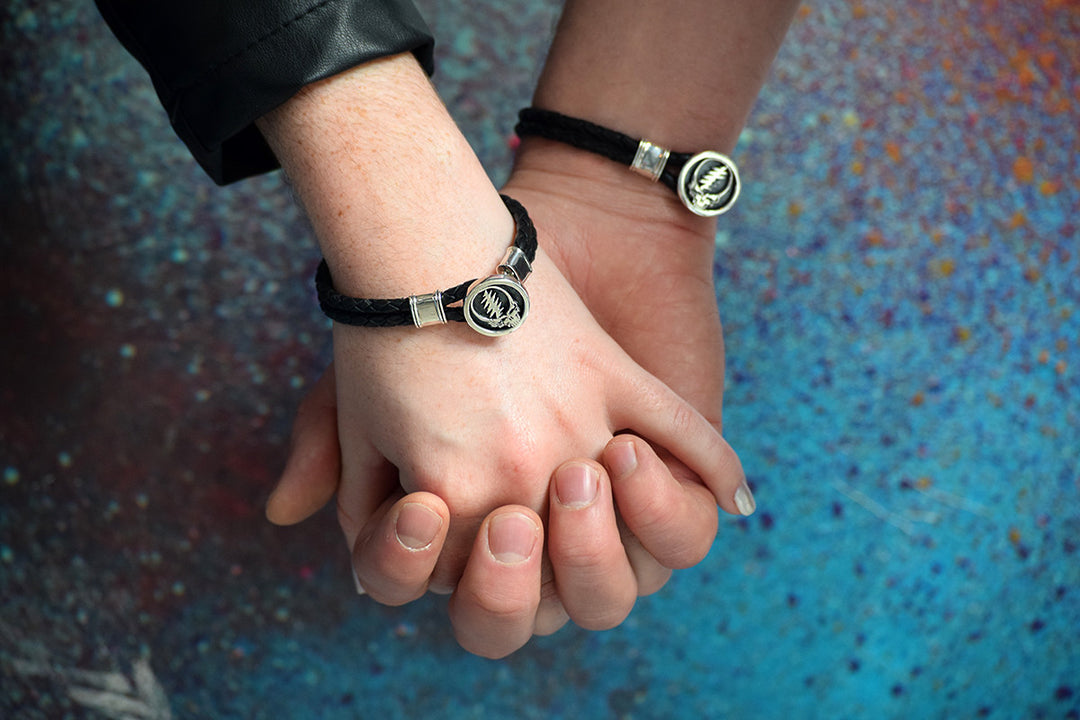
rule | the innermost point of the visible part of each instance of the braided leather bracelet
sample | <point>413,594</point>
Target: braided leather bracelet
<point>494,306</point>
<point>707,183</point>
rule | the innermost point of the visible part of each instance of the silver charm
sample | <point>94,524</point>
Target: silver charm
<point>709,184</point>
<point>496,305</point>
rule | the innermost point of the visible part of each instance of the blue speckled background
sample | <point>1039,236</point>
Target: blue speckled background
<point>901,291</point>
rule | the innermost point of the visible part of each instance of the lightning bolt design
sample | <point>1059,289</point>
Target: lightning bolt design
<point>716,176</point>
<point>492,305</point>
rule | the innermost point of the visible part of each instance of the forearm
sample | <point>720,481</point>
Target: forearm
<point>396,196</point>
<point>684,74</point>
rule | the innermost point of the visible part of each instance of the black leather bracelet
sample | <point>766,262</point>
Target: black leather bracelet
<point>707,182</point>
<point>494,306</point>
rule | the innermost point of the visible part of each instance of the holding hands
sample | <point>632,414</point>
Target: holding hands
<point>557,473</point>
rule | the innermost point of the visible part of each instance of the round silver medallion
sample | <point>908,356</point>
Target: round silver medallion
<point>709,183</point>
<point>496,305</point>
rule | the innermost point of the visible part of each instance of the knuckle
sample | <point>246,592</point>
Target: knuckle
<point>577,553</point>
<point>497,605</point>
<point>684,419</point>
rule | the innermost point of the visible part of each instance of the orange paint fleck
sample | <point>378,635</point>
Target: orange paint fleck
<point>1044,356</point>
<point>858,11</point>
<point>874,238</point>
<point>1057,105</point>
<point>804,11</point>
<point>1032,273</point>
<point>1023,169</point>
<point>923,483</point>
<point>1026,76</point>
<point>917,399</point>
<point>947,64</point>
<point>943,268</point>
<point>1060,367</point>
<point>1018,219</point>
<point>893,151</point>
<point>857,167</point>
<point>937,236</point>
<point>1049,188</point>
<point>1014,535</point>
<point>961,333</point>
<point>794,208</point>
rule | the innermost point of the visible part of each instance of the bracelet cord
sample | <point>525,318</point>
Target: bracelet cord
<point>393,312</point>
<point>594,138</point>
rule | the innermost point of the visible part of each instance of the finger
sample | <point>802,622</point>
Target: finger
<point>675,520</point>
<point>592,573</point>
<point>313,467</point>
<point>652,410</point>
<point>367,480</point>
<point>396,551</point>
<point>650,574</point>
<point>551,616</point>
<point>493,609</point>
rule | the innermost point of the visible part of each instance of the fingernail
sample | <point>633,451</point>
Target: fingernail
<point>417,525</point>
<point>576,485</point>
<point>511,538</point>
<point>744,500</point>
<point>356,581</point>
<point>621,458</point>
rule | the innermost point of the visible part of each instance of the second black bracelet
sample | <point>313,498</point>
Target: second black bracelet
<point>494,306</point>
<point>707,182</point>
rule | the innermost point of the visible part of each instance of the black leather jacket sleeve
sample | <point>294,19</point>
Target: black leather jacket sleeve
<point>217,65</point>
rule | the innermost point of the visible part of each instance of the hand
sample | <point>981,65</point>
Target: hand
<point>495,607</point>
<point>313,135</point>
<point>640,262</point>
<point>588,558</point>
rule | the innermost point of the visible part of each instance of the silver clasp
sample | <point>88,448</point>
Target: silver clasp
<point>650,160</point>
<point>427,309</point>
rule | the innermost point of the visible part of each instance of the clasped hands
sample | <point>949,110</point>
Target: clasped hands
<point>554,474</point>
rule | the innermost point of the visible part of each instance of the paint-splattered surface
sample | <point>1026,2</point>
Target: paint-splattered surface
<point>901,291</point>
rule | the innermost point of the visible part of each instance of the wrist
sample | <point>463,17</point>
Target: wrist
<point>607,188</point>
<point>398,201</point>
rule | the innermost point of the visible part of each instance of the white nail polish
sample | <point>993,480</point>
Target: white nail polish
<point>744,500</point>
<point>356,581</point>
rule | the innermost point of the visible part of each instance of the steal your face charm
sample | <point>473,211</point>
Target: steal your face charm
<point>708,184</point>
<point>496,306</point>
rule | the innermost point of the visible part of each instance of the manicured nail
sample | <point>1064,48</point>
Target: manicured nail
<point>576,485</point>
<point>511,538</point>
<point>744,500</point>
<point>621,459</point>
<point>417,525</point>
